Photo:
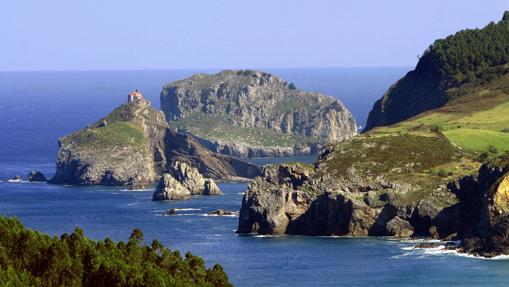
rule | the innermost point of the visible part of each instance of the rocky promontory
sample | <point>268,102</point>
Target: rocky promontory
<point>181,182</point>
<point>251,114</point>
<point>383,186</point>
<point>134,146</point>
<point>400,185</point>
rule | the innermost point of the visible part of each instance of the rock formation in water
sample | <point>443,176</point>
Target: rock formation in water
<point>36,175</point>
<point>191,179</point>
<point>362,187</point>
<point>248,113</point>
<point>134,146</point>
<point>182,181</point>
<point>385,186</point>
<point>222,212</point>
<point>419,177</point>
<point>169,188</point>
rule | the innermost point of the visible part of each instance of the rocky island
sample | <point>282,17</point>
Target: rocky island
<point>254,114</point>
<point>434,162</point>
<point>134,146</point>
<point>183,181</point>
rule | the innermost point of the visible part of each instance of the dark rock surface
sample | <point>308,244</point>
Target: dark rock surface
<point>353,190</point>
<point>428,245</point>
<point>222,212</point>
<point>36,175</point>
<point>283,201</point>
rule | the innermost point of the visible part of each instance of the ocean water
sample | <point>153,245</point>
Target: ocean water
<point>38,107</point>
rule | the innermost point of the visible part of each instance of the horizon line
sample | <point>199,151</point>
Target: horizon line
<point>191,69</point>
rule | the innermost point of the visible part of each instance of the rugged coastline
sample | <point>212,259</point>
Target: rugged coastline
<point>134,146</point>
<point>432,163</point>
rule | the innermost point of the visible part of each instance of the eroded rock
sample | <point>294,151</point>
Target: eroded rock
<point>182,181</point>
<point>170,188</point>
<point>279,119</point>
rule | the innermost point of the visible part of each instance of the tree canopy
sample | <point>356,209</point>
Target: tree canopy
<point>30,258</point>
<point>469,55</point>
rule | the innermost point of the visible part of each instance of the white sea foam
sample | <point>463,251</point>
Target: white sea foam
<point>186,209</point>
<point>136,190</point>
<point>265,236</point>
<point>17,181</point>
<point>442,250</point>
<point>216,215</point>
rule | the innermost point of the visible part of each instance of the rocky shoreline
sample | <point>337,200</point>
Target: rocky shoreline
<point>251,151</point>
<point>134,146</point>
<point>308,200</point>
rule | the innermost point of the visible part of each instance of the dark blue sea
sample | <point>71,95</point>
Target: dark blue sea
<point>38,107</point>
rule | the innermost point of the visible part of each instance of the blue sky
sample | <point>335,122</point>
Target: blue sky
<point>168,34</point>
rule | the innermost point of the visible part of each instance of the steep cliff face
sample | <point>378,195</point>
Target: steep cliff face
<point>484,227</point>
<point>134,146</point>
<point>446,69</point>
<point>392,185</point>
<point>367,186</point>
<point>247,113</point>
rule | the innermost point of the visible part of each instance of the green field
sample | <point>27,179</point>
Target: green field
<point>116,134</point>
<point>479,139</point>
<point>478,122</point>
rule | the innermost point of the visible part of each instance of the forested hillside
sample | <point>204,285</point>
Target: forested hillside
<point>30,258</point>
<point>446,71</point>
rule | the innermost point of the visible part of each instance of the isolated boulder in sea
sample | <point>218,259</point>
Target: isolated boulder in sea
<point>36,175</point>
<point>170,188</point>
<point>211,188</point>
<point>223,212</point>
<point>191,179</point>
<point>182,181</point>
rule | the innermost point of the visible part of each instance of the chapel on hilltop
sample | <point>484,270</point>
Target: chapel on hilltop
<point>135,97</point>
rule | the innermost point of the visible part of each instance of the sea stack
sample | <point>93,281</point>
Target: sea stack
<point>182,181</point>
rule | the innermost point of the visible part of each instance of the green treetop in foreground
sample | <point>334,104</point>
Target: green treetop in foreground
<point>30,258</point>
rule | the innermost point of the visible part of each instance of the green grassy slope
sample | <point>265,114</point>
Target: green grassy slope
<point>476,122</point>
<point>120,134</point>
<point>468,58</point>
